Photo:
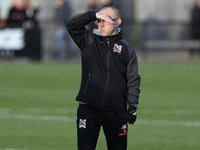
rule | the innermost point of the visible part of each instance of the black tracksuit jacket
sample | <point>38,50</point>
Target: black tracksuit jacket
<point>110,77</point>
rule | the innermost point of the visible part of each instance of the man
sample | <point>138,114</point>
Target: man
<point>62,15</point>
<point>195,17</point>
<point>110,79</point>
<point>195,25</point>
<point>17,14</point>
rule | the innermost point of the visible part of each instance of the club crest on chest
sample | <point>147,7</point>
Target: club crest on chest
<point>117,48</point>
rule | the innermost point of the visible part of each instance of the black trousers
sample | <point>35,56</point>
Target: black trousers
<point>89,122</point>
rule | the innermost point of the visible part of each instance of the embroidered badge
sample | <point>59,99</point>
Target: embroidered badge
<point>124,127</point>
<point>82,123</point>
<point>117,48</point>
<point>124,130</point>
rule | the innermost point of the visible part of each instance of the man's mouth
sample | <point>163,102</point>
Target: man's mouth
<point>102,29</point>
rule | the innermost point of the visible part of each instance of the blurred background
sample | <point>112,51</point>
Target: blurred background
<point>159,30</point>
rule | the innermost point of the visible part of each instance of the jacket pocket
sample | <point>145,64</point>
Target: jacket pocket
<point>88,80</point>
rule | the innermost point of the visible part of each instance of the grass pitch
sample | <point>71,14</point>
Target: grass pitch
<point>38,107</point>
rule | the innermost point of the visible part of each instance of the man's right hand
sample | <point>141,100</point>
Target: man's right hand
<point>104,17</point>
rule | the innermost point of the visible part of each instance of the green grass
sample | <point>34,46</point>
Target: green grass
<point>34,97</point>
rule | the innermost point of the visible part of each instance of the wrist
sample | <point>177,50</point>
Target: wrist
<point>134,106</point>
<point>93,15</point>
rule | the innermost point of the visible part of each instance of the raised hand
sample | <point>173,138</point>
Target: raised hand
<point>104,17</point>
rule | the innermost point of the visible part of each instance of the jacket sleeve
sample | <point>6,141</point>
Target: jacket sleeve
<point>133,79</point>
<point>76,28</point>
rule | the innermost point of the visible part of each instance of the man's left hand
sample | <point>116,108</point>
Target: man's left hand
<point>130,116</point>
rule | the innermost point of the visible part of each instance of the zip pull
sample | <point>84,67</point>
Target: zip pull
<point>108,40</point>
<point>87,82</point>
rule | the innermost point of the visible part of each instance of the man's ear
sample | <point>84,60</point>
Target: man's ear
<point>118,22</point>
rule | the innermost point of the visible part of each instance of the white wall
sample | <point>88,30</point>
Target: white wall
<point>178,10</point>
<point>47,7</point>
<point>4,8</point>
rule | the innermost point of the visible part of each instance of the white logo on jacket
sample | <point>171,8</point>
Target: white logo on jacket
<point>124,127</point>
<point>82,123</point>
<point>117,48</point>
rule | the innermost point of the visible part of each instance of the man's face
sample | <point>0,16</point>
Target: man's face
<point>105,28</point>
<point>60,2</point>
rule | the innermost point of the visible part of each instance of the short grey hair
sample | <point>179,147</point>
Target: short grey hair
<point>116,11</point>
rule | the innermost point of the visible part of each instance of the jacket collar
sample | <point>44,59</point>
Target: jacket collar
<point>115,37</point>
<point>96,31</point>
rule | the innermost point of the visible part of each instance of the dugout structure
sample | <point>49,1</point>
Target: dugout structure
<point>18,42</point>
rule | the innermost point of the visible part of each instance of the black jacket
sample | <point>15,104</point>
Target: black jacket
<point>195,24</point>
<point>110,77</point>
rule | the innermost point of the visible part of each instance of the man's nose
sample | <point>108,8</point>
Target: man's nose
<point>101,24</point>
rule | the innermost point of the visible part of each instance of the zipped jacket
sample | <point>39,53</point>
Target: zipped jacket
<point>110,77</point>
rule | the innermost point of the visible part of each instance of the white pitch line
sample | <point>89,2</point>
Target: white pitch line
<point>168,123</point>
<point>70,119</point>
<point>10,149</point>
<point>36,117</point>
<point>73,111</point>
<point>39,110</point>
<point>171,111</point>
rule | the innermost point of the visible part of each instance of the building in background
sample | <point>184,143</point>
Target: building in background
<point>4,7</point>
<point>143,19</point>
<point>166,19</point>
<point>20,34</point>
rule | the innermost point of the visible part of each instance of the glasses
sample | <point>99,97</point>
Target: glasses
<point>104,22</point>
